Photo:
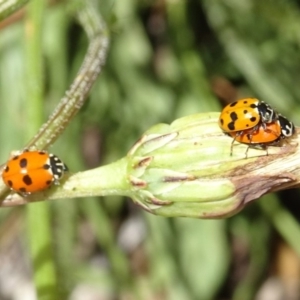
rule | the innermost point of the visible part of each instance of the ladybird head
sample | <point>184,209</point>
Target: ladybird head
<point>57,166</point>
<point>287,127</point>
<point>267,113</point>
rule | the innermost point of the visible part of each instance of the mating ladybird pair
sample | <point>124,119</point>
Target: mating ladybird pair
<point>33,171</point>
<point>255,123</point>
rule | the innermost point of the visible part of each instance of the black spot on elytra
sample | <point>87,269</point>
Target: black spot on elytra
<point>46,167</point>
<point>231,126</point>
<point>233,117</point>
<point>233,104</point>
<point>22,190</point>
<point>10,183</point>
<point>23,163</point>
<point>27,180</point>
<point>6,169</point>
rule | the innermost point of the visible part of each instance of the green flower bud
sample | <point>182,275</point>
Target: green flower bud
<point>186,170</point>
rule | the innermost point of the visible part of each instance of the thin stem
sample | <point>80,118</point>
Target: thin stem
<point>77,94</point>
<point>38,216</point>
<point>8,7</point>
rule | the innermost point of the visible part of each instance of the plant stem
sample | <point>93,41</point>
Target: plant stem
<point>76,96</point>
<point>38,216</point>
<point>8,7</point>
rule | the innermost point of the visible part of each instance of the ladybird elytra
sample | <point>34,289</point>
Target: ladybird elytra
<point>245,114</point>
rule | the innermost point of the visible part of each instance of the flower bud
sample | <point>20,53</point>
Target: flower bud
<point>186,170</point>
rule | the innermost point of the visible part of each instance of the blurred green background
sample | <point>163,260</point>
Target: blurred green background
<point>167,59</point>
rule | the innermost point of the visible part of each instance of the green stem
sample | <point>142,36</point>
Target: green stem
<point>8,7</point>
<point>103,181</point>
<point>38,216</point>
<point>34,82</point>
<point>76,96</point>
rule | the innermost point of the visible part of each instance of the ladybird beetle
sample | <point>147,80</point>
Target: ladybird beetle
<point>245,114</point>
<point>32,171</point>
<point>266,134</point>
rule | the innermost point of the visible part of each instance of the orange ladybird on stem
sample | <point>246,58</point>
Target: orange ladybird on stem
<point>33,171</point>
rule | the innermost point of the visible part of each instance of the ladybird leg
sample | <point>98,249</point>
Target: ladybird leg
<point>233,140</point>
<point>246,153</point>
<point>272,131</point>
<point>249,137</point>
<point>239,133</point>
<point>231,147</point>
<point>265,147</point>
<point>56,182</point>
